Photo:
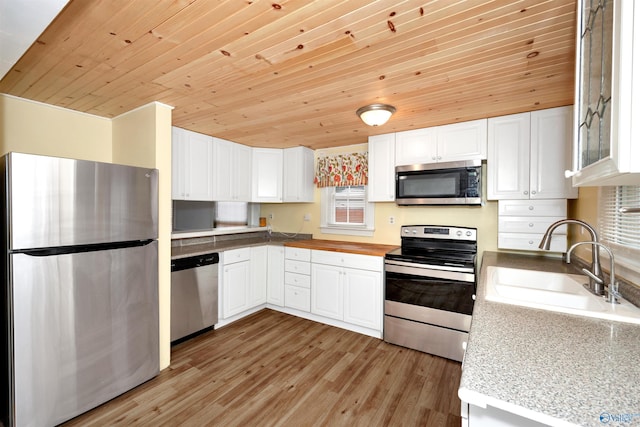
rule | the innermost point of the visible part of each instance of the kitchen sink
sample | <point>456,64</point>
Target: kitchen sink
<point>558,292</point>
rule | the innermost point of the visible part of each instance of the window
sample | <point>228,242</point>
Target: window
<point>232,214</point>
<point>620,231</point>
<point>345,210</point>
<point>348,205</point>
<point>201,215</point>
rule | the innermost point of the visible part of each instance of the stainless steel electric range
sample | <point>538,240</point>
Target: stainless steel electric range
<point>430,285</point>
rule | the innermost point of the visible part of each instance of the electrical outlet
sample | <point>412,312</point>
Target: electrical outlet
<point>307,217</point>
<point>392,220</point>
<point>270,216</point>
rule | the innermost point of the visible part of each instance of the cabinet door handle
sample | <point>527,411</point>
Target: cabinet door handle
<point>530,224</point>
<point>525,193</point>
<point>533,192</point>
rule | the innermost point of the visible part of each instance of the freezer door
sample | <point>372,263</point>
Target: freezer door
<point>85,329</point>
<point>63,202</point>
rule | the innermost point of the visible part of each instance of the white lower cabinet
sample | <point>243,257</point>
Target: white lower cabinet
<point>275,275</point>
<point>327,296</point>
<point>297,283</point>
<point>243,281</point>
<point>347,287</point>
<point>493,417</point>
<point>236,280</point>
<point>296,297</point>
<point>363,298</point>
<point>258,284</point>
<point>340,289</point>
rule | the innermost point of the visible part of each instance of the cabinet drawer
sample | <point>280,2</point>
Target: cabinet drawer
<point>236,255</point>
<point>341,259</point>
<point>299,254</point>
<point>297,297</point>
<point>295,279</point>
<point>533,207</point>
<point>529,224</point>
<point>300,267</point>
<point>530,242</point>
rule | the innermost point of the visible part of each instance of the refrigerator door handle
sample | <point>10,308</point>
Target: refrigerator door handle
<point>64,250</point>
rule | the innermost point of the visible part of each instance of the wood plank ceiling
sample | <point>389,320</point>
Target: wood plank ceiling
<point>283,73</point>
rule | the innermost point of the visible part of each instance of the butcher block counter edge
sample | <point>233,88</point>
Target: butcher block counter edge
<point>372,249</point>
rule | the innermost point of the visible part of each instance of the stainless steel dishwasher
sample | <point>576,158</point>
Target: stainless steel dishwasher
<point>194,294</point>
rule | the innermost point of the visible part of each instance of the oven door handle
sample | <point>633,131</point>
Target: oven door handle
<point>429,272</point>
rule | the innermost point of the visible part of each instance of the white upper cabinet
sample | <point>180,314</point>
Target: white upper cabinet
<point>267,175</point>
<point>231,171</point>
<point>381,186</point>
<point>508,157</point>
<point>458,141</point>
<point>416,147</point>
<point>462,141</point>
<point>606,148</point>
<point>241,176</point>
<point>222,169</point>
<point>191,166</point>
<point>298,175</point>
<point>214,169</point>
<point>528,154</point>
<point>551,136</point>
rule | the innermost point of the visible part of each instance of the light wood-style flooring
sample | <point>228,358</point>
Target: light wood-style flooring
<point>273,369</point>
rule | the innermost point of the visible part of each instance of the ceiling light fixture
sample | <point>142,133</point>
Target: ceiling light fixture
<point>375,114</point>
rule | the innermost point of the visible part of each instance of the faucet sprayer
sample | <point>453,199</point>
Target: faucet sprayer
<point>612,288</point>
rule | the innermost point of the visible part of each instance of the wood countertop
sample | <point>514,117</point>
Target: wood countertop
<point>373,249</point>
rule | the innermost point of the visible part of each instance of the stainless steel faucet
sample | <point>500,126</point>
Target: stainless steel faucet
<point>612,288</point>
<point>596,278</point>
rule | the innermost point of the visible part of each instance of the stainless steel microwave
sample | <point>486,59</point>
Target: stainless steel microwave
<point>447,183</point>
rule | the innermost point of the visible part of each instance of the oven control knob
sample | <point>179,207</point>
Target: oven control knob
<point>459,233</point>
<point>414,231</point>
<point>468,233</point>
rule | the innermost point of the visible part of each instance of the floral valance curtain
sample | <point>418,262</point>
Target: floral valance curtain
<point>340,170</point>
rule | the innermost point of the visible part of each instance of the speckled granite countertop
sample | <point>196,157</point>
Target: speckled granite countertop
<point>204,245</point>
<point>555,368</point>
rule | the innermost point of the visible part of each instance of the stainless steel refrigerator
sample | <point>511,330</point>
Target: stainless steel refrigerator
<point>80,285</point>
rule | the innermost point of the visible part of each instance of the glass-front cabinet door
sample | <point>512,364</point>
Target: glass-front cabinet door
<point>606,149</point>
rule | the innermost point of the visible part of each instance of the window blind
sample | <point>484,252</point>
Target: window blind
<point>349,204</point>
<point>617,228</point>
<point>231,214</point>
